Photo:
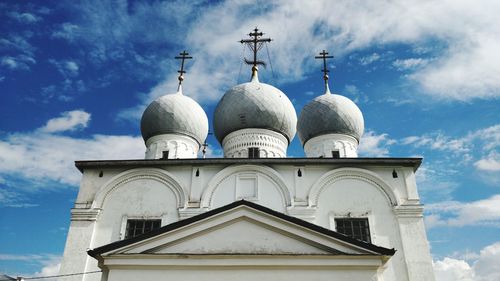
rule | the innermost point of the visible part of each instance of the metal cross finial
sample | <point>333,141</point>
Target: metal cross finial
<point>255,44</point>
<point>183,56</point>
<point>324,55</point>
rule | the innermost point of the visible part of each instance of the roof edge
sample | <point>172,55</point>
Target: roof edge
<point>353,162</point>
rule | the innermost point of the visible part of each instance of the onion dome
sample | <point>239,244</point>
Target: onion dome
<point>175,114</point>
<point>254,105</point>
<point>330,114</point>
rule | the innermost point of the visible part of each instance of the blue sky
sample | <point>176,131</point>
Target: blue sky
<point>75,79</point>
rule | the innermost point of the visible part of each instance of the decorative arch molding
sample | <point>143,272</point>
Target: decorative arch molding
<point>206,198</point>
<point>350,173</point>
<point>162,176</point>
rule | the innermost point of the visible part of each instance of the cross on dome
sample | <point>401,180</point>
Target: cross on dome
<point>255,44</point>
<point>324,55</point>
<point>183,56</point>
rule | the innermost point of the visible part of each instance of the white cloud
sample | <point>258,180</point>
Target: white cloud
<point>438,141</point>
<point>488,164</point>
<point>67,31</point>
<point>299,30</point>
<point>17,43</point>
<point>13,199</point>
<point>435,183</point>
<point>66,90</point>
<point>355,93</point>
<point>20,62</point>
<point>69,121</point>
<point>487,267</point>
<point>483,142</point>
<point>24,17</point>
<point>450,269</point>
<point>67,68</point>
<point>369,59</point>
<point>468,70</point>
<point>483,267</point>
<point>45,157</point>
<point>49,263</point>
<point>50,269</point>
<point>42,156</point>
<point>484,212</point>
<point>409,64</point>
<point>373,145</point>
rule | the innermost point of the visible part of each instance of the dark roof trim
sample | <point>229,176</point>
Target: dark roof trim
<point>353,162</point>
<point>122,243</point>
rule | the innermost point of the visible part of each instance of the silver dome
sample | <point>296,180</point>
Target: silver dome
<point>175,114</point>
<point>330,114</point>
<point>254,105</point>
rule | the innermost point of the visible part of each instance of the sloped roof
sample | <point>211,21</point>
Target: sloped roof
<point>4,277</point>
<point>376,250</point>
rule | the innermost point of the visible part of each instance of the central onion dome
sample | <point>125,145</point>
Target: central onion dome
<point>254,105</point>
<point>255,115</point>
<point>255,119</point>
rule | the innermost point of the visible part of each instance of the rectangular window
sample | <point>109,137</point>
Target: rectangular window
<point>357,228</point>
<point>335,154</point>
<point>137,227</point>
<point>165,155</point>
<point>253,152</point>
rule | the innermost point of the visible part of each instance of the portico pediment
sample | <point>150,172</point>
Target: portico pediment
<point>241,228</point>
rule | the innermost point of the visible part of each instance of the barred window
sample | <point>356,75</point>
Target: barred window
<point>253,152</point>
<point>335,154</point>
<point>137,227</point>
<point>357,228</point>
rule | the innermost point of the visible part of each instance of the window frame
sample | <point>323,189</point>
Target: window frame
<point>145,227</point>
<point>165,154</point>
<point>336,154</point>
<point>125,218</point>
<point>253,152</point>
<point>366,228</point>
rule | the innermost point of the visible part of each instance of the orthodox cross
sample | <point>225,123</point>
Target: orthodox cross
<point>255,44</point>
<point>183,56</point>
<point>324,55</point>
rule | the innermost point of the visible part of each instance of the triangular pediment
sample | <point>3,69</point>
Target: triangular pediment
<point>242,228</point>
<point>242,235</point>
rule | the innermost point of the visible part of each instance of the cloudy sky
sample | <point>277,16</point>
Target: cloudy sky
<point>75,79</point>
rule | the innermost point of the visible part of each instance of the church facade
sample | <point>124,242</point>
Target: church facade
<point>253,214</point>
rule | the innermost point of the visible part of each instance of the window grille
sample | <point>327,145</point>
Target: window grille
<point>357,228</point>
<point>137,227</point>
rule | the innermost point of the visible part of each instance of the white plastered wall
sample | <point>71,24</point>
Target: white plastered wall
<point>391,204</point>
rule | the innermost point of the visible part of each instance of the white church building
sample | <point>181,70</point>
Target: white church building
<point>254,214</point>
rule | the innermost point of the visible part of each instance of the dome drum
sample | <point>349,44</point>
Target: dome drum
<point>270,144</point>
<point>331,146</point>
<point>171,146</point>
